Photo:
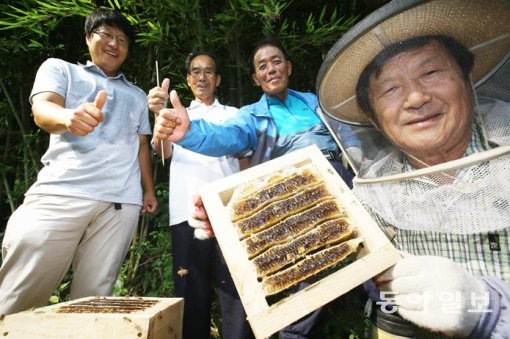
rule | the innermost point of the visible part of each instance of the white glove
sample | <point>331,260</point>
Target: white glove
<point>199,221</point>
<point>199,227</point>
<point>435,293</point>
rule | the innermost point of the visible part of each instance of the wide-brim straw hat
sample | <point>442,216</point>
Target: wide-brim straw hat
<point>481,25</point>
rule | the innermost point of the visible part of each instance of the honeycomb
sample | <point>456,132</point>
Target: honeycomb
<point>108,305</point>
<point>291,226</point>
<point>309,266</point>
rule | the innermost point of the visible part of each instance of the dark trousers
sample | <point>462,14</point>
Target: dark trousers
<point>301,328</point>
<point>196,263</point>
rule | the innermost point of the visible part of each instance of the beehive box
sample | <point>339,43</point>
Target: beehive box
<point>265,314</point>
<point>99,317</point>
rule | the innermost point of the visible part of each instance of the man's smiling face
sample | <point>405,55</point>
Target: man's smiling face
<point>423,102</point>
<point>108,47</point>
<point>272,71</point>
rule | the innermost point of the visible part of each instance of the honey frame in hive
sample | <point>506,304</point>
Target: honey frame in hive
<point>376,255</point>
<point>115,317</point>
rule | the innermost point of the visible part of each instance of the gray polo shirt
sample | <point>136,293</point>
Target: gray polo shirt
<point>102,165</point>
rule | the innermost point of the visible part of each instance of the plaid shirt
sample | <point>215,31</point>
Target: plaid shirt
<point>482,254</point>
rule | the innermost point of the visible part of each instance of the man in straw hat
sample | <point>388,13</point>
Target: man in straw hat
<point>440,186</point>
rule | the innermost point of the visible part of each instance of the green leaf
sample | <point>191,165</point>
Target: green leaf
<point>35,44</point>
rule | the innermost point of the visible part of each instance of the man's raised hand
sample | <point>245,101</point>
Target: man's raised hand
<point>172,124</point>
<point>82,120</point>
<point>158,96</point>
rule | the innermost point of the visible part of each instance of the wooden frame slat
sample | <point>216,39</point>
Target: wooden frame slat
<point>376,255</point>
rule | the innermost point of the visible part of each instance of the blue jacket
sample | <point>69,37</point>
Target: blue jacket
<point>253,128</point>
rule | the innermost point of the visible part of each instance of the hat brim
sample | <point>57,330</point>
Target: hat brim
<point>481,25</point>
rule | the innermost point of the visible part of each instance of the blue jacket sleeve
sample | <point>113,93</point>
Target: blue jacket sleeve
<point>233,136</point>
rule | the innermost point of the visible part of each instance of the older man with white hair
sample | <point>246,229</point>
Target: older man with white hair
<point>440,183</point>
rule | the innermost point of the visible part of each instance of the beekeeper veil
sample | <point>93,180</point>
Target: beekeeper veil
<point>467,194</point>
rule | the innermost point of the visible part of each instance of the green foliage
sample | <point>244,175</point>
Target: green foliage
<point>62,291</point>
<point>33,30</point>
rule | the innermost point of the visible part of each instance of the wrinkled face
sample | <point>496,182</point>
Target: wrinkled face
<point>422,103</point>
<point>202,78</point>
<point>272,71</point>
<point>108,47</point>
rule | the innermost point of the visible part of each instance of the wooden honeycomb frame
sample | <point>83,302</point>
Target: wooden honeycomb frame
<point>376,255</point>
<point>116,318</point>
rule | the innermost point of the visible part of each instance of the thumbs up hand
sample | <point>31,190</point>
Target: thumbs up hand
<point>82,120</point>
<point>172,124</point>
<point>158,96</point>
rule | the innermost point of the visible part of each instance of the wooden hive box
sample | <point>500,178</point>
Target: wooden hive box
<point>267,316</point>
<point>99,317</point>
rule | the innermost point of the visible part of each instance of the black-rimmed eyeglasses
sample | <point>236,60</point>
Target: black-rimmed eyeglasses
<point>206,73</point>
<point>108,37</point>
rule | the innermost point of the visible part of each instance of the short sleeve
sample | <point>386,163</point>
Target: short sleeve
<point>51,77</point>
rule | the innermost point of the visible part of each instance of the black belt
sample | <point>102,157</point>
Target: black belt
<point>392,323</point>
<point>332,155</point>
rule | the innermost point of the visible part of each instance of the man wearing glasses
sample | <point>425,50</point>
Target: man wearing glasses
<point>194,259</point>
<point>122,41</point>
<point>85,204</point>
